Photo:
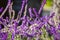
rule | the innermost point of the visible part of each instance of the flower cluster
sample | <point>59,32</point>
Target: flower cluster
<point>27,27</point>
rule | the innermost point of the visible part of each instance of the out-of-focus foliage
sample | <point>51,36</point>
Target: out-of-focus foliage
<point>48,4</point>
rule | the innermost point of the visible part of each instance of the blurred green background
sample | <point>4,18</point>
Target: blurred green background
<point>48,4</point>
<point>48,7</point>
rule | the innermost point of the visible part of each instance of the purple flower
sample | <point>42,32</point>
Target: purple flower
<point>1,9</point>
<point>30,25</point>
<point>3,36</point>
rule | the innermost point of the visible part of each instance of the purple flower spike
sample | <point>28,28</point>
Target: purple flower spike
<point>36,13</point>
<point>8,4</point>
<point>1,9</point>
<point>30,11</point>
<point>3,36</point>
<point>42,5</point>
